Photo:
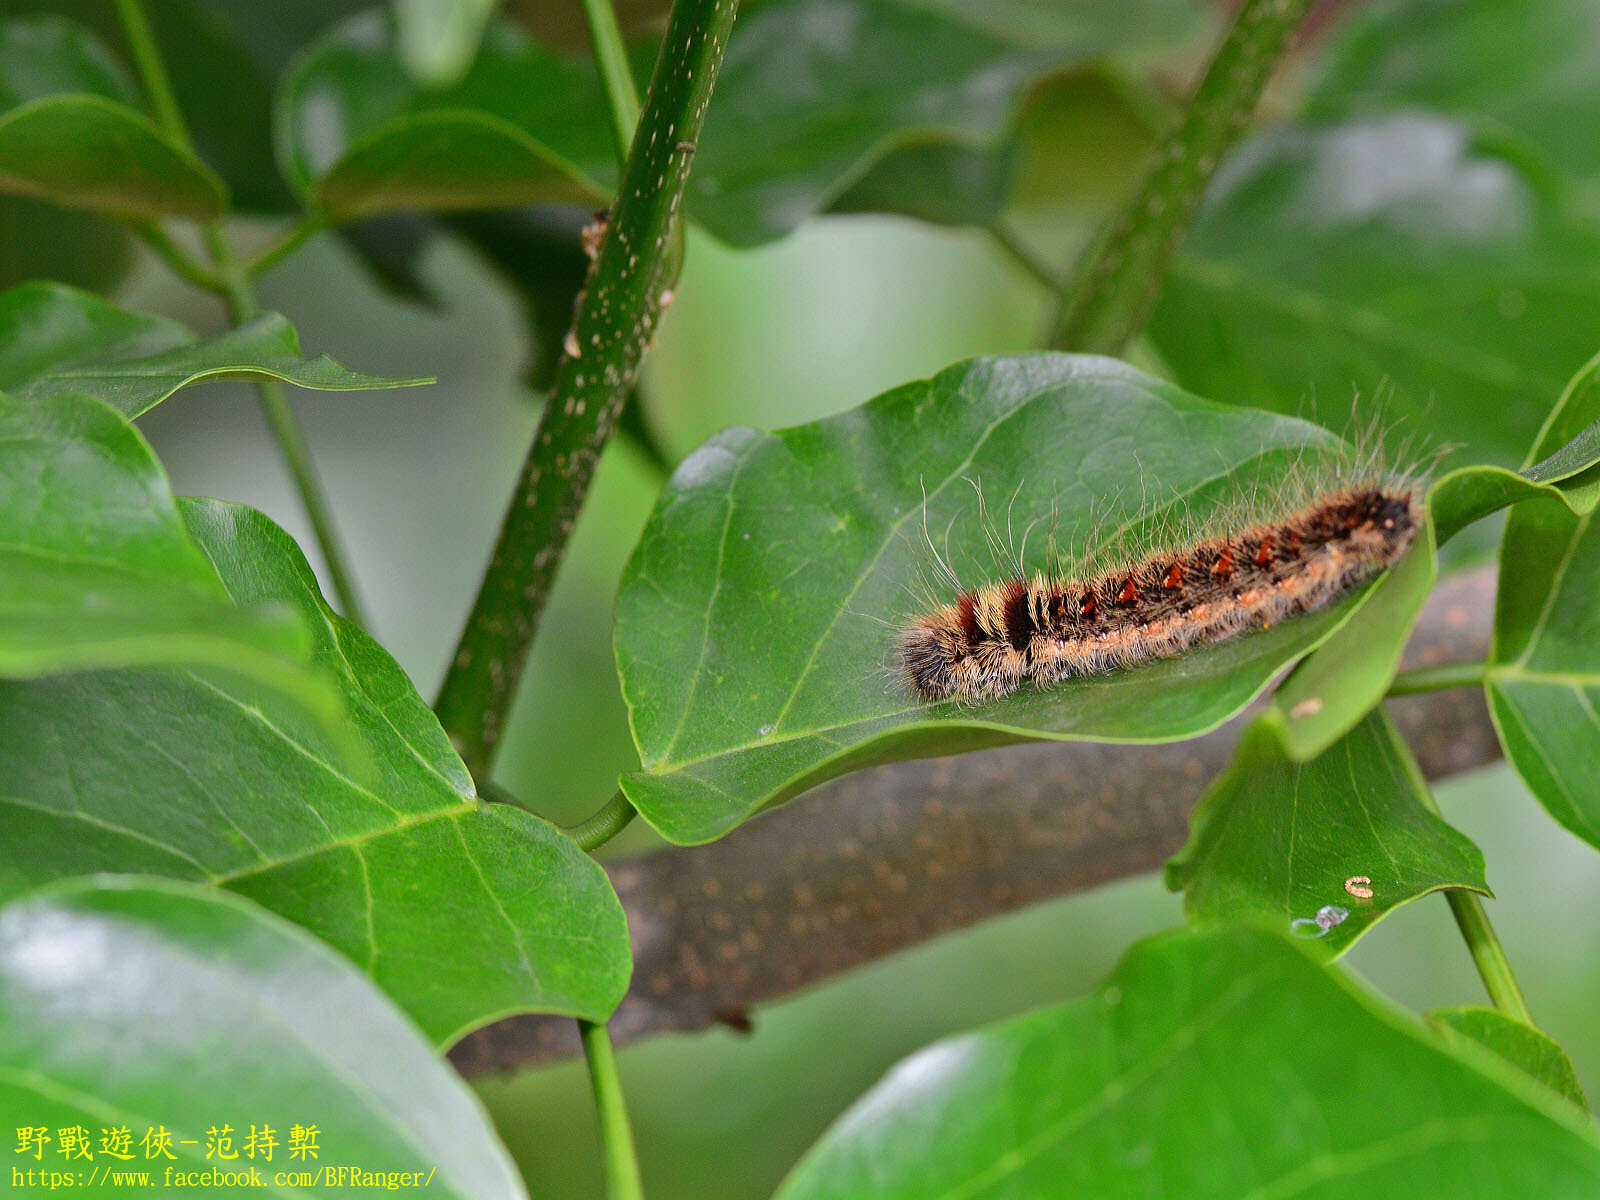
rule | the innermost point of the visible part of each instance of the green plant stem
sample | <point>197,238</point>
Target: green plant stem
<point>1437,679</point>
<point>302,231</point>
<point>142,44</point>
<point>233,285</point>
<point>1488,955</point>
<point>1118,280</point>
<point>616,1135</point>
<point>599,829</point>
<point>616,320</point>
<point>242,304</point>
<point>1023,255</point>
<point>179,260</point>
<point>612,57</point>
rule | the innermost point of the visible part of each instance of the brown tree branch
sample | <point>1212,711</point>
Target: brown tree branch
<point>883,859</point>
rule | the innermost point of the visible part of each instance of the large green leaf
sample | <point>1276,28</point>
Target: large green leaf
<point>462,911</point>
<point>1394,257</point>
<point>1224,1065</point>
<point>1544,664</point>
<point>55,339</point>
<point>1524,1047</point>
<point>139,1004</point>
<point>224,59</point>
<point>84,151</point>
<point>97,569</point>
<point>359,136</point>
<point>1274,842</point>
<point>756,622</point>
<point>813,97</point>
<point>913,101</point>
<point>1528,67</point>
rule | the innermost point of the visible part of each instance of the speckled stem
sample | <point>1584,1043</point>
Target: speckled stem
<point>616,320</point>
<point>1119,279</point>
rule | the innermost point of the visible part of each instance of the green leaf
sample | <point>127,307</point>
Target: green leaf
<point>1344,678</point>
<point>461,911</point>
<point>84,151</point>
<point>1219,1065</point>
<point>55,339</point>
<point>848,100</point>
<point>814,96</point>
<point>756,621</point>
<point>97,569</point>
<point>438,38</point>
<point>215,1013</point>
<point>358,136</point>
<point>1350,672</point>
<point>1544,663</point>
<point>1273,842</point>
<point>47,55</point>
<point>1524,1047</point>
<point>1527,68</point>
<point>43,56</point>
<point>1390,256</point>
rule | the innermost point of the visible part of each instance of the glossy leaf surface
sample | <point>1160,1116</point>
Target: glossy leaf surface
<point>98,570</point>
<point>358,135</point>
<point>1215,1065</point>
<point>1393,257</point>
<point>813,97</point>
<point>56,339</point>
<point>1544,663</point>
<point>84,151</point>
<point>1526,68</point>
<point>756,623</point>
<point>1523,1046</point>
<point>145,1004</point>
<point>373,840</point>
<point>1278,843</point>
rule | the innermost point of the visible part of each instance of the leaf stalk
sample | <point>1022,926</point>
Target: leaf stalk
<point>1437,679</point>
<point>604,825</point>
<point>616,1134</point>
<point>622,98</point>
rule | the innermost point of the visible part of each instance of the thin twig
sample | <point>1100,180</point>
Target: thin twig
<point>622,98</point>
<point>179,260</point>
<point>1024,256</point>
<point>231,283</point>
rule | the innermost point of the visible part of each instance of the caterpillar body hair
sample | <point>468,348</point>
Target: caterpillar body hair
<point>1050,626</point>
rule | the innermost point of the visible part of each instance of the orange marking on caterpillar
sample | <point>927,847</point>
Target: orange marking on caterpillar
<point>988,641</point>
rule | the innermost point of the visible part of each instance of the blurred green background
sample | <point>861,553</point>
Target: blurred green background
<point>814,324</point>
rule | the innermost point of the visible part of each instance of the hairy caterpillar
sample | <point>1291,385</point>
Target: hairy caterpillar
<point>1051,626</point>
